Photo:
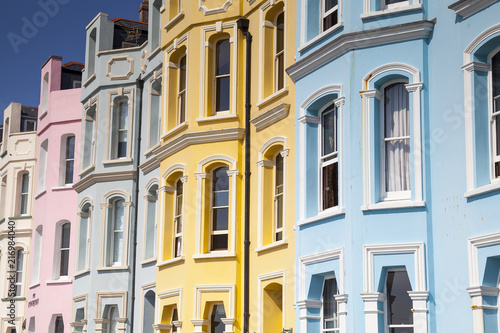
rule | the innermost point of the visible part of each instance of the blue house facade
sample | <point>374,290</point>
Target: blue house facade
<point>397,115</point>
<point>115,260</point>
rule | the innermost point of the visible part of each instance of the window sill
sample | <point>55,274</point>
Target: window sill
<point>154,52</point>
<point>40,194</point>
<point>62,188</point>
<point>17,298</point>
<point>169,262</point>
<point>174,20</point>
<point>81,272</point>
<point>23,217</point>
<point>391,11</point>
<point>90,79</point>
<point>43,115</point>
<point>117,161</point>
<point>87,170</point>
<point>272,246</point>
<point>149,151</point>
<point>393,205</point>
<point>174,130</point>
<point>214,255</point>
<point>148,261</point>
<point>332,212</point>
<point>217,118</point>
<point>483,189</point>
<point>319,37</point>
<point>59,281</point>
<point>112,268</point>
<point>270,98</point>
<point>34,285</point>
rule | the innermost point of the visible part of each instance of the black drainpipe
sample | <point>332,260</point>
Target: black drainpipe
<point>243,24</point>
<point>140,86</point>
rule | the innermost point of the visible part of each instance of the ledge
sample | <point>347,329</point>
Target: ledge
<point>34,285</point>
<point>174,20</point>
<point>214,255</point>
<point>148,261</point>
<point>174,130</point>
<point>20,217</point>
<point>154,53</point>
<point>322,216</point>
<point>483,190</point>
<point>217,118</point>
<point>170,262</point>
<point>87,170</point>
<point>44,113</point>
<point>272,97</point>
<point>466,8</point>
<point>90,79</point>
<point>59,281</point>
<point>117,161</point>
<point>393,205</point>
<point>272,246</point>
<point>271,116</point>
<point>150,151</point>
<point>40,194</point>
<point>85,271</point>
<point>3,154</point>
<point>2,220</point>
<point>319,37</point>
<point>17,298</point>
<point>62,188</point>
<point>113,268</point>
<point>359,40</point>
<point>391,11</point>
<point>103,177</point>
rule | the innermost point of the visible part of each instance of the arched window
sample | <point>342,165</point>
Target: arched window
<point>222,87</point>
<point>155,24</point>
<point>19,271</point>
<point>329,314</point>
<point>181,91</point>
<point>6,133</point>
<point>329,160</point>
<point>148,314</point>
<point>151,218</point>
<point>45,92</point>
<point>89,137</point>
<point>396,142</point>
<point>495,113</point>
<point>278,197</point>
<point>115,239</point>
<point>91,53</point>
<point>23,193</point>
<point>154,112</point>
<point>178,220</point>
<point>119,134</point>
<point>217,314</point>
<point>110,319</point>
<point>219,209</point>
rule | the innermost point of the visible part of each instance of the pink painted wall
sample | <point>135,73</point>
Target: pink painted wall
<point>55,204</point>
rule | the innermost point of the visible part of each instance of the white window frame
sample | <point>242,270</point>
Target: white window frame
<point>20,270</point>
<point>391,195</point>
<point>277,230</point>
<point>152,122</point>
<point>182,93</point>
<point>56,275</point>
<point>178,215</point>
<point>325,330</point>
<point>492,114</point>
<point>218,232</point>
<point>37,255</point>
<point>65,159</point>
<point>23,194</point>
<point>335,155</point>
<point>277,53</point>
<point>42,166</point>
<point>114,231</point>
<point>114,97</point>
<point>324,15</point>
<point>214,83</point>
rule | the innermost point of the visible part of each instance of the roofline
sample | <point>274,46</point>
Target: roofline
<point>51,57</point>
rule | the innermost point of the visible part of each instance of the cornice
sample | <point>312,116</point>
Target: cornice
<point>100,177</point>
<point>466,8</point>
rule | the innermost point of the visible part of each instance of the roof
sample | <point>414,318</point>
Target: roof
<point>74,66</point>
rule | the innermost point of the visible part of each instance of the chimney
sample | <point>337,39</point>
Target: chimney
<point>143,11</point>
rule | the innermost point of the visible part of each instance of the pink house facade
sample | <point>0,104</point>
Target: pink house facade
<point>59,125</point>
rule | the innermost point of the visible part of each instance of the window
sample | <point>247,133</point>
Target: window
<point>28,125</point>
<point>398,302</point>
<point>178,220</point>
<point>217,314</point>
<point>181,94</point>
<point>154,113</point>
<point>155,24</point>
<point>19,271</point>
<point>23,193</point>
<point>37,254</point>
<point>89,129</point>
<point>278,197</point>
<point>495,113</point>
<point>174,8</point>
<point>396,142</point>
<point>115,239</point>
<point>148,314</point>
<point>59,325</point>
<point>329,312</point>
<point>279,57</point>
<point>83,238</point>
<point>220,209</point>
<point>119,135</point>
<point>65,231</point>
<point>45,92</point>
<point>222,76</point>
<point>42,164</point>
<point>150,226</point>
<point>3,197</point>
<point>329,14</point>
<point>389,4</point>
<point>32,326</point>
<point>175,318</point>
<point>92,41</point>
<point>110,319</point>
<point>329,160</point>
<point>68,159</point>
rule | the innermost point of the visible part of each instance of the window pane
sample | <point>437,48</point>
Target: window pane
<point>82,244</point>
<point>68,178</point>
<point>221,198</point>
<point>399,303</point>
<point>123,115</point>
<point>388,2</point>
<point>222,94</point>
<point>117,246</point>
<point>63,271</point>
<point>329,303</point>
<point>220,221</point>
<point>279,212</point>
<point>221,179</point>
<point>280,32</point>
<point>59,325</point>
<point>216,324</point>
<point>279,172</point>
<point>222,57</point>
<point>70,147</point>
<point>65,235</point>
<point>401,330</point>
<point>329,128</point>
<point>329,4</point>
<point>330,186</point>
<point>497,125</point>
<point>25,183</point>
<point>119,215</point>
<point>397,165</point>
<point>182,73</point>
<point>219,242</point>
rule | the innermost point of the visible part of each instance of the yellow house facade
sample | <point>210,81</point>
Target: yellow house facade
<point>201,274</point>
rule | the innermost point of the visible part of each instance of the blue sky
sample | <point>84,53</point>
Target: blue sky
<point>33,30</point>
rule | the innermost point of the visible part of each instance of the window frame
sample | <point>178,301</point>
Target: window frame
<point>19,270</point>
<point>113,231</point>
<point>88,108</point>
<point>117,115</point>
<point>23,210</point>
<point>494,158</point>
<point>58,251</point>
<point>42,166</point>
<point>148,198</point>
<point>387,325</point>
<point>325,14</point>
<point>65,159</point>
<point>279,53</point>
<point>156,79</point>
<point>178,215</point>
<point>211,211</point>
<point>56,320</point>
<point>322,320</point>
<point>86,202</point>
<point>277,229</point>
<point>182,93</point>
<point>392,195</point>
<point>212,307</point>
<point>221,76</point>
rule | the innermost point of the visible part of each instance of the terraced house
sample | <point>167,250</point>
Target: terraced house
<point>226,242</point>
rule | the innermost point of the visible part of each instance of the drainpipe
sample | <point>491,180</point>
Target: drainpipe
<point>243,24</point>
<point>140,86</point>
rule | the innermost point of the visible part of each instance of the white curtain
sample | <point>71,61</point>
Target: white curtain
<point>397,138</point>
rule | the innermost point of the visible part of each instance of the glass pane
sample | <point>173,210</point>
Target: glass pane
<point>216,324</point>
<point>280,32</point>
<point>497,128</point>
<point>82,244</point>
<point>401,330</point>
<point>221,179</point>
<point>279,236</point>
<point>397,165</point>
<point>329,4</point>
<point>221,198</point>
<point>222,57</point>
<point>70,147</point>
<point>178,225</point>
<point>279,173</point>
<point>113,314</point>
<point>24,204</point>
<point>19,261</point>
<point>178,245</point>
<point>68,178</point>
<point>117,247</point>
<point>399,303</point>
<point>330,186</point>
<point>280,68</point>
<point>329,128</point>
<point>329,303</point>
<point>65,234</point>
<point>497,169</point>
<point>182,73</point>
<point>64,263</point>
<point>397,111</point>
<point>123,115</point>
<point>330,20</point>
<point>220,219</point>
<point>182,108</point>
<point>279,212</point>
<point>388,2</point>
<point>25,183</point>
<point>222,94</point>
<point>119,215</point>
<point>59,325</point>
<point>219,242</point>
